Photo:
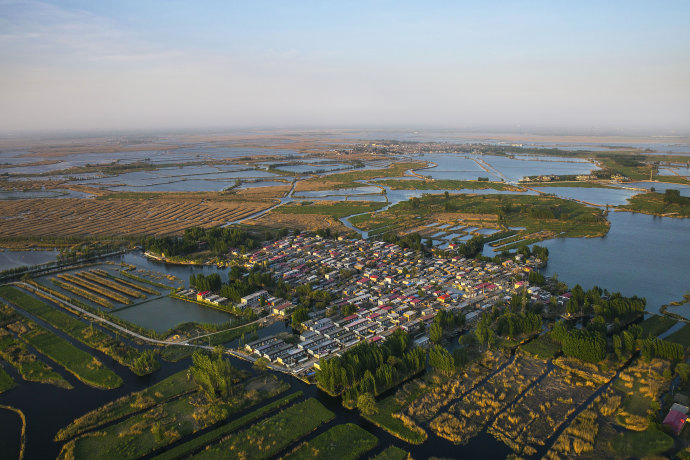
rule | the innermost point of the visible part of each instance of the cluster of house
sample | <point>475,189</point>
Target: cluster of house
<point>203,296</point>
<point>386,286</point>
<point>580,177</point>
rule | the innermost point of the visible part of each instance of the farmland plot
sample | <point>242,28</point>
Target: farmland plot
<point>468,417</point>
<point>156,216</point>
<point>427,405</point>
<point>536,416</point>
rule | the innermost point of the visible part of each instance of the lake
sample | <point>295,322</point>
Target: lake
<point>641,255</point>
<point>510,169</point>
<point>166,312</point>
<point>593,195</point>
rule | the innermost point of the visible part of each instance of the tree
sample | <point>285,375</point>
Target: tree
<point>683,370</point>
<point>213,374</point>
<point>618,347</point>
<point>145,363</point>
<point>300,315</point>
<point>367,404</point>
<point>435,332</point>
<point>485,335</point>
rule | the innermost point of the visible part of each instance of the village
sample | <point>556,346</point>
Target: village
<point>379,287</point>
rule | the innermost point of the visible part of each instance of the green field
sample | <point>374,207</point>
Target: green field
<point>392,453</point>
<point>207,438</point>
<point>384,419</point>
<point>445,184</point>
<point>543,347</point>
<point>142,433</point>
<point>656,325</point>
<point>348,179</point>
<point>653,203</point>
<point>77,329</point>
<point>335,210</point>
<point>542,216</point>
<point>27,364</point>
<point>79,363</point>
<point>578,184</point>
<point>6,381</point>
<point>170,387</point>
<point>268,437</point>
<point>344,442</point>
<point>640,444</point>
<point>681,336</point>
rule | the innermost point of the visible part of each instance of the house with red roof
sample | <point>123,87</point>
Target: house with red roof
<point>676,418</point>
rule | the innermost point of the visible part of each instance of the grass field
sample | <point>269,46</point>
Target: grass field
<point>77,329</point>
<point>543,347</point>
<point>392,453</point>
<point>653,203</point>
<point>347,179</point>
<point>656,324</point>
<point>268,437</point>
<point>681,336</point>
<point>117,217</point>
<point>541,217</point>
<point>344,442</point>
<point>158,393</point>
<point>79,363</point>
<point>335,209</point>
<point>445,184</point>
<point>6,381</point>
<point>640,444</point>
<point>188,447</point>
<point>408,432</point>
<point>95,288</point>
<point>142,433</point>
<point>27,364</point>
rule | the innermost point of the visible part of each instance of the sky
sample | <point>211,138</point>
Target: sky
<point>80,65</point>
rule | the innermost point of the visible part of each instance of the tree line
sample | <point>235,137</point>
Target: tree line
<point>371,368</point>
<point>219,240</point>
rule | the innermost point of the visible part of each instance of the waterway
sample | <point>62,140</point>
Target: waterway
<point>11,425</point>
<point>12,259</point>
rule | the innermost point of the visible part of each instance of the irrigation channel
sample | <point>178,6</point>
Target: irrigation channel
<point>49,408</point>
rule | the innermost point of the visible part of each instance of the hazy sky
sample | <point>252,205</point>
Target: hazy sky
<point>123,64</point>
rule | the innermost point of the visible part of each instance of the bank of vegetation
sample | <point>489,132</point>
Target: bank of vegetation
<point>29,366</point>
<point>668,204</point>
<point>167,389</point>
<point>138,361</point>
<point>221,391</point>
<point>344,442</point>
<point>541,217</point>
<point>189,447</point>
<point>271,435</point>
